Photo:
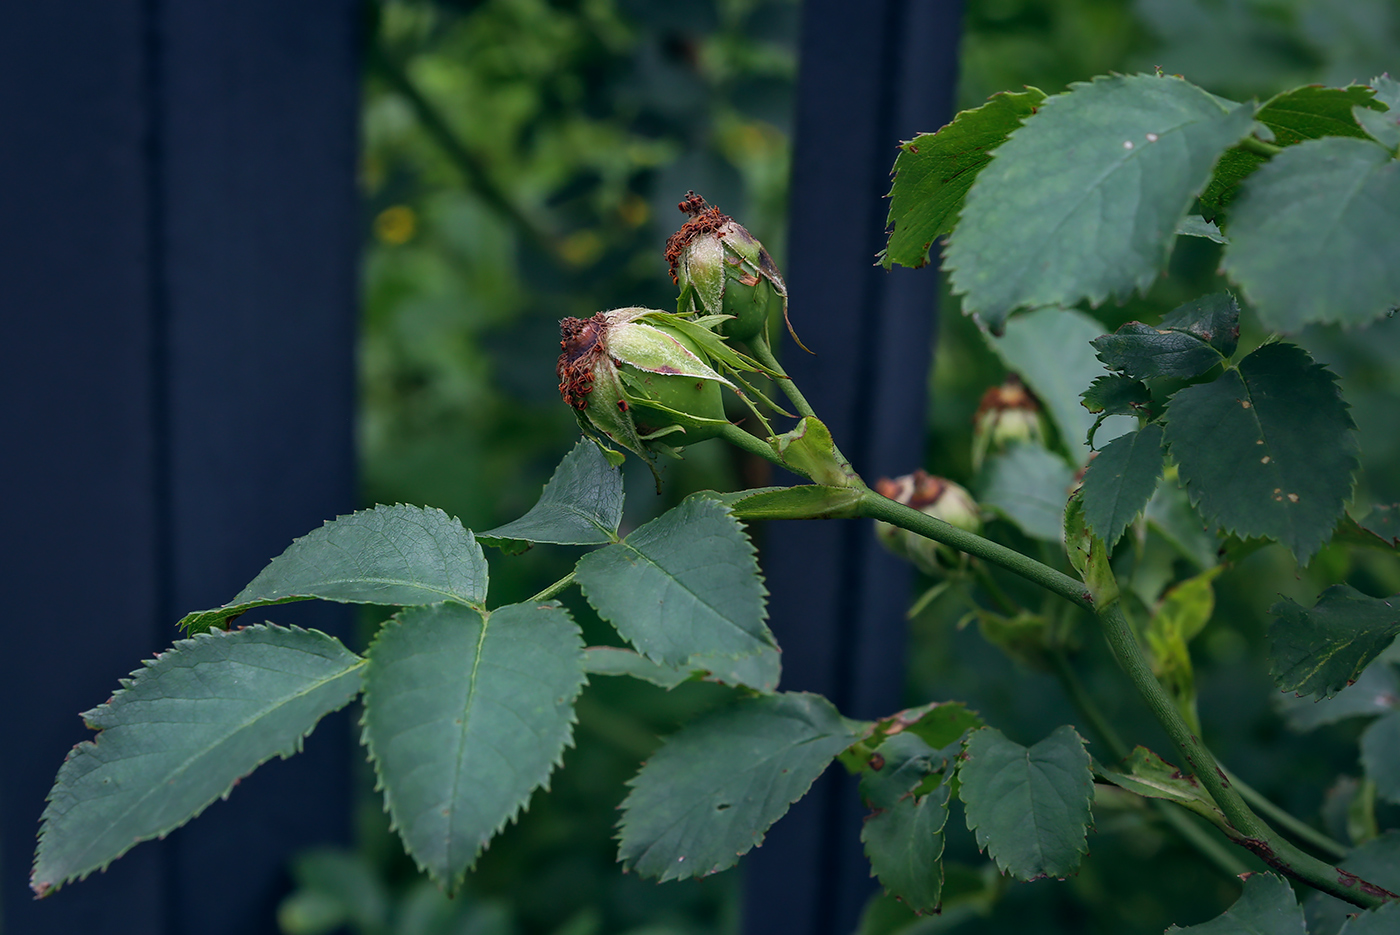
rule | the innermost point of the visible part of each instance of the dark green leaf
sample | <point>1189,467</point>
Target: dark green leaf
<point>402,555</point>
<point>1213,318</point>
<point>1120,481</point>
<point>1384,522</point>
<point>1376,691</point>
<point>1306,113</point>
<point>1382,921</point>
<point>180,733</point>
<point>1312,235</point>
<point>759,671</point>
<point>933,172</point>
<point>1146,774</point>
<point>1266,907</point>
<point>1050,348</point>
<point>712,790</point>
<point>1117,395</point>
<point>1188,342</point>
<point>581,504</point>
<point>685,584</point>
<point>1083,201</point>
<point>1268,449</point>
<point>938,723</point>
<point>1380,755</point>
<point>904,841</point>
<point>1319,651</point>
<point>1029,805</point>
<point>465,716</point>
<point>1029,486</point>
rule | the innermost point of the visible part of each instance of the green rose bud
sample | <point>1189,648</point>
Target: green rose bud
<point>1008,415</point>
<point>937,497</point>
<point>722,269</point>
<point>633,376</point>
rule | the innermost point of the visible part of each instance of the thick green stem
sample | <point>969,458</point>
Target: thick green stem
<point>763,353</point>
<point>1251,831</point>
<point>1299,829</point>
<point>553,589</point>
<point>1259,147</point>
<point>751,443</point>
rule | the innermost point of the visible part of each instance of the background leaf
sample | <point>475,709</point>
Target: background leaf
<point>1029,805</point>
<point>1083,201</point>
<point>1268,449</point>
<point>1382,921</point>
<point>684,584</point>
<point>933,172</point>
<point>759,671</point>
<point>1184,611</point>
<point>1312,236</point>
<point>1029,486</point>
<point>1320,650</point>
<point>465,716</point>
<point>1380,755</point>
<point>180,733</point>
<point>402,555</point>
<point>1120,481</point>
<point>581,504</point>
<point>1188,342</point>
<point>903,836</point>
<point>1376,691</point>
<point>1266,907</point>
<point>709,794</point>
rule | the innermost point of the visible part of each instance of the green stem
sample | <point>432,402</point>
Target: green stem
<point>763,353</point>
<point>1257,146</point>
<point>1202,840</point>
<point>1251,830</point>
<point>752,444</point>
<point>1299,829</point>
<point>874,506</point>
<point>553,589</point>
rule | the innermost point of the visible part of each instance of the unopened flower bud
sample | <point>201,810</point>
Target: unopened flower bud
<point>938,497</point>
<point>630,374</point>
<point>1008,415</point>
<point>722,269</point>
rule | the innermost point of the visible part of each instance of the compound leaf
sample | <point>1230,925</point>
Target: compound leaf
<point>581,504</point>
<point>1029,486</point>
<point>1322,649</point>
<point>1083,201</point>
<point>180,733</point>
<point>465,716</point>
<point>711,791</point>
<point>402,555</point>
<point>684,584</point>
<point>1029,806</point>
<point>1312,235</point>
<point>1268,449</point>
<point>933,172</point>
<point>1266,907</point>
<point>1120,481</point>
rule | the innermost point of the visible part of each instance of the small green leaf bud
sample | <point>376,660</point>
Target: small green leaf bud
<point>939,498</point>
<point>1008,415</point>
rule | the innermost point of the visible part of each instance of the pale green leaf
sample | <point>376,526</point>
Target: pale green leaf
<point>684,584</point>
<point>1192,339</point>
<point>1087,554</point>
<point>1183,613</point>
<point>1322,649</point>
<point>1146,774</point>
<point>1029,806</point>
<point>933,172</point>
<point>1313,234</point>
<point>1384,128</point>
<point>401,555</point>
<point>581,504</point>
<point>759,671</point>
<point>180,733</point>
<point>1266,907</point>
<point>1193,225</point>
<point>465,716</point>
<point>710,793</point>
<point>1029,486</point>
<point>1267,449</point>
<point>1120,481</point>
<point>1083,201</point>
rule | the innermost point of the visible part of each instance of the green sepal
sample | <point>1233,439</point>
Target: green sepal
<point>805,501</point>
<point>810,451</point>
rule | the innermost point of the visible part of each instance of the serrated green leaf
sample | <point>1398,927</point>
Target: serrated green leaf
<point>1029,486</point>
<point>581,504</point>
<point>180,733</point>
<point>465,716</point>
<point>1213,318</point>
<point>1322,649</point>
<point>904,843</point>
<point>711,791</point>
<point>1312,235</point>
<point>1051,351</point>
<point>1375,692</point>
<point>1306,113</point>
<point>1380,755</point>
<point>1029,806</point>
<point>1382,921</point>
<point>1117,395</point>
<point>759,671</point>
<point>1387,90</point>
<point>1083,201</point>
<point>937,723</point>
<point>685,584</point>
<point>1384,128</point>
<point>933,172</point>
<point>1193,225</point>
<point>1192,339</point>
<point>1384,523</point>
<point>398,555</point>
<point>899,766</point>
<point>1266,907</point>
<point>1120,481</point>
<point>1146,774</point>
<point>1268,449</point>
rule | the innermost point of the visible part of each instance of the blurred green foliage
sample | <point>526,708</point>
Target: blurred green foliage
<point>522,163</point>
